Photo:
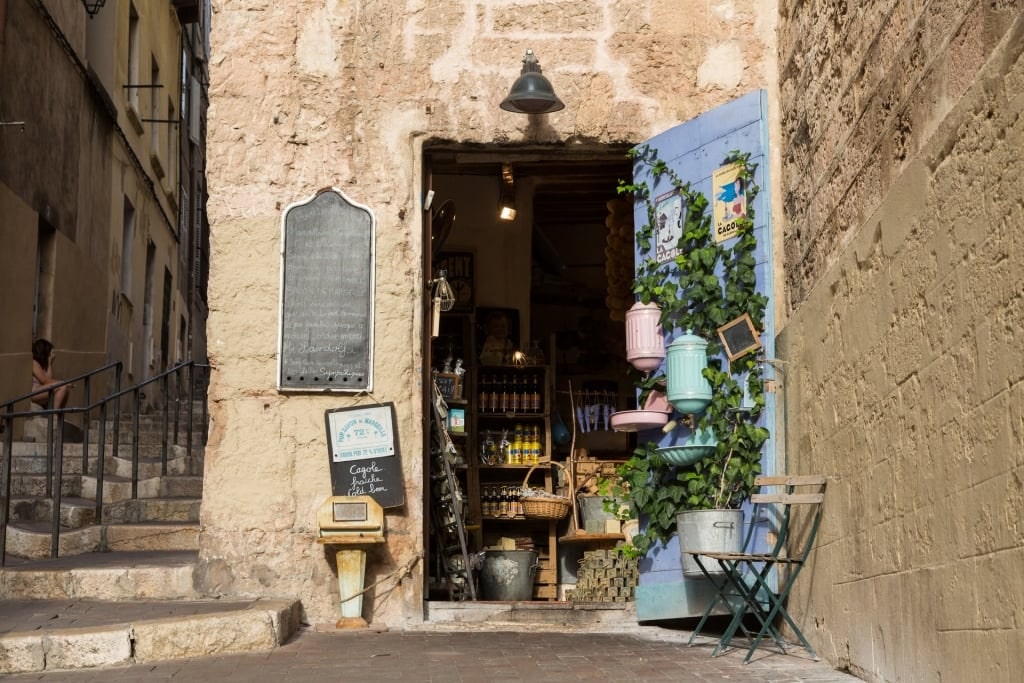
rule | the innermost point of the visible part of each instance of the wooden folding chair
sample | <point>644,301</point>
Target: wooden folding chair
<point>744,585</point>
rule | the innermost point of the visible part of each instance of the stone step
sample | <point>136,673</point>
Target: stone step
<point>80,512</point>
<point>34,485</point>
<point>140,575</point>
<point>58,635</point>
<point>118,488</point>
<point>152,536</point>
<point>75,513</point>
<point>30,458</point>
<point>31,540</point>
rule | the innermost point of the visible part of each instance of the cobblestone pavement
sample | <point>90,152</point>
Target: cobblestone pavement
<point>473,657</point>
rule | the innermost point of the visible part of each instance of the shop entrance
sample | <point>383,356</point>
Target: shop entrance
<point>536,247</point>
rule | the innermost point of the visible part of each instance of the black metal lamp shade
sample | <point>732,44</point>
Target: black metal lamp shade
<point>532,92</point>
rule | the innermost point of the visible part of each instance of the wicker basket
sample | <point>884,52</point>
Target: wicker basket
<point>544,507</point>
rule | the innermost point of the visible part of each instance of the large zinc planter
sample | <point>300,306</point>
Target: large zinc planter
<point>708,531</point>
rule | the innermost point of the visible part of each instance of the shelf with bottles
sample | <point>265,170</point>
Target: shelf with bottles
<point>510,391</point>
<point>521,444</point>
<point>500,501</point>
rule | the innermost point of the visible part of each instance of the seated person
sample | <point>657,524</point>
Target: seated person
<point>42,376</point>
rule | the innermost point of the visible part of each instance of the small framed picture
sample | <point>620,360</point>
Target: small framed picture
<point>449,384</point>
<point>739,337</point>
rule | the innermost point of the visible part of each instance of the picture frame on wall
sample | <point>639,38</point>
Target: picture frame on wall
<point>497,333</point>
<point>739,337</point>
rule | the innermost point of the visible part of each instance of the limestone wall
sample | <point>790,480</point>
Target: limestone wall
<point>902,377</point>
<point>312,94</point>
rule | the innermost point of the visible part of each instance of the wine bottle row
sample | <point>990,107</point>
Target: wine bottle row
<point>501,502</point>
<point>511,393</point>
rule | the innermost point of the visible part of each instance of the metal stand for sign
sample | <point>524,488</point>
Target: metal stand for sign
<point>449,506</point>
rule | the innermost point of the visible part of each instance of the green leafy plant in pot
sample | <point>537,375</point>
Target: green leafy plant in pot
<point>705,286</point>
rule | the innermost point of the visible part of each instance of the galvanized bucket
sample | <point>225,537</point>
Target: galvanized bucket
<point>508,574</point>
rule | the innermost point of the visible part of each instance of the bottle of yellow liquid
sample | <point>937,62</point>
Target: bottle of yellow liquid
<point>515,451</point>
<point>534,446</point>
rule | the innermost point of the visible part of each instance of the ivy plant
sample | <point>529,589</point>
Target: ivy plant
<point>707,285</point>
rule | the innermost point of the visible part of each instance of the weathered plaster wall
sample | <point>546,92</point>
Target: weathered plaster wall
<point>902,374</point>
<point>313,94</point>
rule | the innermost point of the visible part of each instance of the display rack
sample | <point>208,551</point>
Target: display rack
<point>449,508</point>
<point>501,414</point>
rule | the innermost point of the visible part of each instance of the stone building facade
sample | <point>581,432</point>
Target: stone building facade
<point>895,194</point>
<point>318,94</point>
<point>101,190</point>
<point>901,163</point>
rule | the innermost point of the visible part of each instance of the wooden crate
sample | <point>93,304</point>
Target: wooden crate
<point>589,471</point>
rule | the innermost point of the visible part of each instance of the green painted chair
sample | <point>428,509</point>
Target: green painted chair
<point>743,580</point>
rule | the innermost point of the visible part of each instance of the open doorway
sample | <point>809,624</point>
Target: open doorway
<point>532,333</point>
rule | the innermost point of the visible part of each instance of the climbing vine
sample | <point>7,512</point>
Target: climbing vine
<point>705,286</point>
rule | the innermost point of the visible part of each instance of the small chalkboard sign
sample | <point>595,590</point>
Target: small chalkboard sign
<point>739,337</point>
<point>327,280</point>
<point>448,385</point>
<point>363,448</point>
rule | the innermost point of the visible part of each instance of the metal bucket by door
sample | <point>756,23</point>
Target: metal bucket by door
<point>508,574</point>
<point>708,531</point>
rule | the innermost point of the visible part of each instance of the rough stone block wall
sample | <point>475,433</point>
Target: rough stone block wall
<point>902,371</point>
<point>311,94</point>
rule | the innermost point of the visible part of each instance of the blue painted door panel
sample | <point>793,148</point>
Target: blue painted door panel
<point>694,150</point>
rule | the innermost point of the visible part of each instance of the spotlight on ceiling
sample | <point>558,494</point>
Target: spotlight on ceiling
<point>532,92</point>
<point>507,196</point>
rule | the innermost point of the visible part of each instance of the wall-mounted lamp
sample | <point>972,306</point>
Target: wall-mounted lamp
<point>507,196</point>
<point>92,7</point>
<point>532,92</point>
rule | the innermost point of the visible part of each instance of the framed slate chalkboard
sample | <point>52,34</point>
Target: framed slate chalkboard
<point>327,283</point>
<point>364,457</point>
<point>739,337</point>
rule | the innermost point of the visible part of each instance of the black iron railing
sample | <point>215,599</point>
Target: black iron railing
<point>162,394</point>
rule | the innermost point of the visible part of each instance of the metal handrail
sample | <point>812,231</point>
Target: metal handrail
<point>55,438</point>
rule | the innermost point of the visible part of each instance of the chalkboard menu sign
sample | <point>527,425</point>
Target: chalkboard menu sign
<point>739,337</point>
<point>363,448</point>
<point>327,271</point>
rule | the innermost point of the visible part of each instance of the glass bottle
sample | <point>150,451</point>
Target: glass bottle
<point>485,394</point>
<point>515,451</point>
<point>513,400</point>
<point>504,505</point>
<point>495,403</point>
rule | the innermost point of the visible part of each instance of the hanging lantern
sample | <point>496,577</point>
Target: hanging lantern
<point>689,391</point>
<point>645,341</point>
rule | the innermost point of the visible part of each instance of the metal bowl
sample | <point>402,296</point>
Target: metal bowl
<point>700,445</point>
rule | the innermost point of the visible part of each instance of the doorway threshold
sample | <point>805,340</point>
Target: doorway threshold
<point>584,617</point>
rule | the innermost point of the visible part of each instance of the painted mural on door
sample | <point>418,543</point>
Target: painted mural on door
<point>703,248</point>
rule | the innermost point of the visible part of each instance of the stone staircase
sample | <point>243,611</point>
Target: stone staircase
<point>131,573</point>
<point>163,516</point>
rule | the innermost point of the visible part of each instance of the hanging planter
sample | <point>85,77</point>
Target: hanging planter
<point>698,445</point>
<point>645,341</point>
<point>689,391</point>
<point>654,415</point>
